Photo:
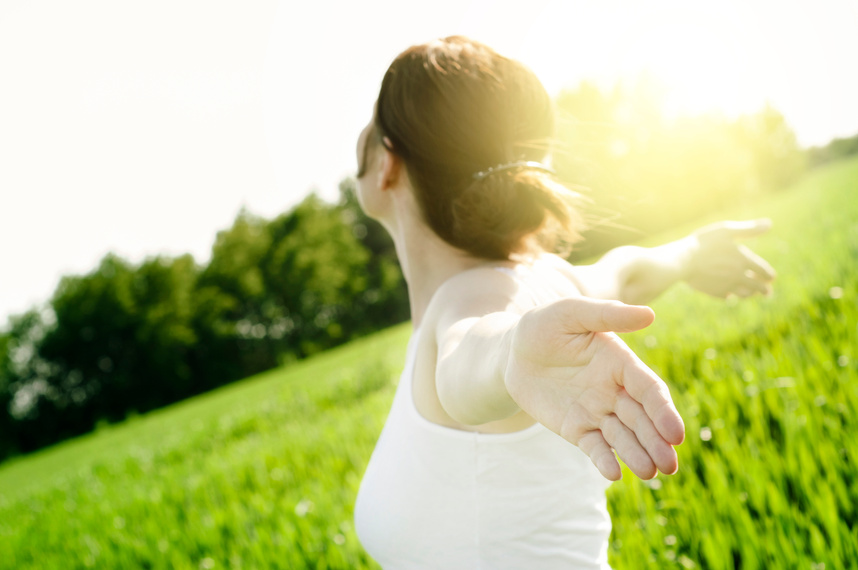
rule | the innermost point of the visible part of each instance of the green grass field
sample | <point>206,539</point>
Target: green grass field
<point>263,473</point>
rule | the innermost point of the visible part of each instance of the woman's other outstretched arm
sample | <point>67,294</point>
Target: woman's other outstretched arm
<point>709,260</point>
<point>563,366</point>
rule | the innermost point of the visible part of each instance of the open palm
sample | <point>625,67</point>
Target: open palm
<point>721,267</point>
<point>573,375</point>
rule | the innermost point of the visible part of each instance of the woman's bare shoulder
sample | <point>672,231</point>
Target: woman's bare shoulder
<point>482,288</point>
<point>562,266</point>
<point>472,293</point>
<point>555,261</point>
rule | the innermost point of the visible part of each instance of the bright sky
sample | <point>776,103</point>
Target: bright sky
<point>143,127</point>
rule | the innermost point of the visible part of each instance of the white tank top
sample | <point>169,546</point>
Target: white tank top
<point>434,497</point>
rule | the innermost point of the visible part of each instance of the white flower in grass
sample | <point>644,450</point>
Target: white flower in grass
<point>303,507</point>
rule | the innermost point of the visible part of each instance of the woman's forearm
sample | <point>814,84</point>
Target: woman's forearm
<point>653,270</point>
<point>710,260</point>
<point>636,275</point>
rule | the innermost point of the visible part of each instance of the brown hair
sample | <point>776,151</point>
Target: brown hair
<point>454,107</point>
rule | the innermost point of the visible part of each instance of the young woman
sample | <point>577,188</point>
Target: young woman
<point>513,355</point>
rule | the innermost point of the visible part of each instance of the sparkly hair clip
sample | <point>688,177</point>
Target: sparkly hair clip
<point>521,164</point>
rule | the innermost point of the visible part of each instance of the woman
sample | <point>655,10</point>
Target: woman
<point>513,355</point>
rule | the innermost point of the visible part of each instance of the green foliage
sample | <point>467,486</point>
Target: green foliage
<point>295,285</point>
<point>834,150</point>
<point>770,142</point>
<point>117,339</point>
<point>24,379</point>
<point>237,254</point>
<point>257,475</point>
<point>647,173</point>
<point>315,268</point>
<point>263,473</point>
<point>385,298</point>
<point>7,446</point>
<point>769,391</point>
<point>125,339</point>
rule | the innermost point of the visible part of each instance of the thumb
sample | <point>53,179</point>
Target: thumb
<point>748,228</point>
<point>582,315</point>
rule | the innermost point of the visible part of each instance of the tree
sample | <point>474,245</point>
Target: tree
<point>384,301</point>
<point>314,271</point>
<point>647,172</point>
<point>120,342</point>
<point>834,150</point>
<point>7,440</point>
<point>776,156</point>
<point>233,303</point>
<point>27,387</point>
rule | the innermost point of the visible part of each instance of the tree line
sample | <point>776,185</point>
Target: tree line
<point>129,338</point>
<point>645,171</point>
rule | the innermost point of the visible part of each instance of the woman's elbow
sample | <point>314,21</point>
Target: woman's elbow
<point>470,405</point>
<point>456,403</point>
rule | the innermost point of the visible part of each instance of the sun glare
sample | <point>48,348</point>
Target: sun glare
<point>701,69</point>
<point>705,58</point>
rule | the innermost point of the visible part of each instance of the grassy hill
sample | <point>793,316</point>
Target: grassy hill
<point>263,473</point>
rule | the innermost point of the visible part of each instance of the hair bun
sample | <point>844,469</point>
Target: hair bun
<point>494,215</point>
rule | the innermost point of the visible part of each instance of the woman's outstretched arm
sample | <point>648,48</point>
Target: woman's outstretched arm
<point>709,260</point>
<point>563,366</point>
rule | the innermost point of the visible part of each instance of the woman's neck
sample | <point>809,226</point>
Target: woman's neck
<point>427,262</point>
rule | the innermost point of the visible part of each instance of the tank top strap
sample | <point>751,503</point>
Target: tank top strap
<point>507,270</point>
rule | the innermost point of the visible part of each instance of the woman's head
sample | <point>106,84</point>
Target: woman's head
<point>453,108</point>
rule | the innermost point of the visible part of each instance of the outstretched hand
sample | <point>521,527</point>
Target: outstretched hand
<point>720,267</point>
<point>571,374</point>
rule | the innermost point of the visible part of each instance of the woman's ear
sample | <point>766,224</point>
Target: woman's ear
<point>391,167</point>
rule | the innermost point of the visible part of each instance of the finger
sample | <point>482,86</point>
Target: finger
<point>632,414</point>
<point>630,450</point>
<point>652,393</point>
<point>757,264</point>
<point>741,292</point>
<point>582,315</point>
<point>597,449</point>
<point>748,228</point>
<point>749,284</point>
